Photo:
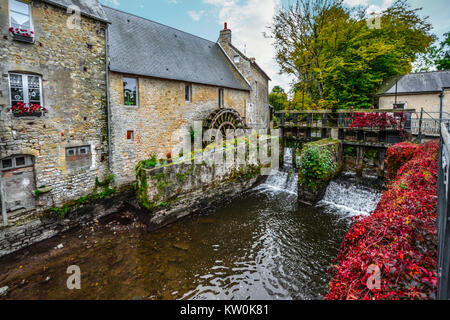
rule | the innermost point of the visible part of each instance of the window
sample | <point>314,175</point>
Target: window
<point>237,59</point>
<point>20,19</point>
<point>78,152</point>
<point>221,98</point>
<point>25,88</point>
<point>130,135</point>
<point>130,91</point>
<point>78,158</point>
<point>16,162</point>
<point>188,92</point>
<point>399,106</point>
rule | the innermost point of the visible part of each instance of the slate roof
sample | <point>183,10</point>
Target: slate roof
<point>89,8</point>
<point>417,83</point>
<point>143,47</point>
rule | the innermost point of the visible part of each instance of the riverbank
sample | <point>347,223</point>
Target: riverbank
<point>392,254</point>
<point>260,245</point>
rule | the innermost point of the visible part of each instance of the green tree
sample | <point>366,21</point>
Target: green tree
<point>443,56</point>
<point>278,98</point>
<point>339,60</point>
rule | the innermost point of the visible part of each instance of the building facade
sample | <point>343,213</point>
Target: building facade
<point>87,91</point>
<point>158,91</point>
<point>52,103</point>
<point>427,90</point>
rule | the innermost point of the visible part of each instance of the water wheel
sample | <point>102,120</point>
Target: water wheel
<point>223,120</point>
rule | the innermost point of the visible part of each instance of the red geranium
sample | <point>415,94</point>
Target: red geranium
<point>30,108</point>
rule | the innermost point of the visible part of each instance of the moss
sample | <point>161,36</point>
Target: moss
<point>142,185</point>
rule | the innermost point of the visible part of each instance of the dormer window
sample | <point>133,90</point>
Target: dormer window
<point>20,22</point>
<point>237,59</point>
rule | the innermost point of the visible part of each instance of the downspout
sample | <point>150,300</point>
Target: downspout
<point>107,97</point>
<point>441,107</point>
<point>3,202</point>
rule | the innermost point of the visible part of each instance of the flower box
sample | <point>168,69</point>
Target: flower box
<point>27,110</point>
<point>34,114</point>
<point>22,35</point>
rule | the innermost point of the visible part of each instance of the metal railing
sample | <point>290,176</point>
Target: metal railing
<point>428,124</point>
<point>443,219</point>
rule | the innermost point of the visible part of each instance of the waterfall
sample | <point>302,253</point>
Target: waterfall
<point>348,198</point>
<point>284,180</point>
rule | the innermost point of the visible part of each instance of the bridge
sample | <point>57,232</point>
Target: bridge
<point>361,129</point>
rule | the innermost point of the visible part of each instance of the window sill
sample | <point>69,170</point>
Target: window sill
<point>36,115</point>
<point>20,38</point>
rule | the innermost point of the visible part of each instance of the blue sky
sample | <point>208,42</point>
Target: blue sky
<point>248,20</point>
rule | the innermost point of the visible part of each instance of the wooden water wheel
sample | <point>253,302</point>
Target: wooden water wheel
<point>223,120</point>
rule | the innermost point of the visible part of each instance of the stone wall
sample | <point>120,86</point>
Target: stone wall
<point>72,66</point>
<point>48,225</point>
<point>174,191</point>
<point>257,109</point>
<point>161,120</point>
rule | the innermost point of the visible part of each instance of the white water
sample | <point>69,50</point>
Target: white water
<point>285,180</point>
<point>343,196</point>
<point>350,199</point>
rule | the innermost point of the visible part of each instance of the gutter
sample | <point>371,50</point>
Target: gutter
<point>108,109</point>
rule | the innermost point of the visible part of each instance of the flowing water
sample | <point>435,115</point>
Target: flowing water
<point>262,245</point>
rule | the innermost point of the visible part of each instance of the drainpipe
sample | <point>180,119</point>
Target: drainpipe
<point>3,202</point>
<point>441,96</point>
<point>107,97</point>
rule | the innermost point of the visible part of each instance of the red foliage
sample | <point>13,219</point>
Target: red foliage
<point>377,120</point>
<point>400,238</point>
<point>21,32</point>
<point>398,155</point>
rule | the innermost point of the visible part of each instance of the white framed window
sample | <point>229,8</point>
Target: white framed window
<point>78,151</point>
<point>237,59</point>
<point>130,91</point>
<point>25,88</point>
<point>16,162</point>
<point>20,17</point>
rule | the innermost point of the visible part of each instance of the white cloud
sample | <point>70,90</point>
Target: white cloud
<point>356,2</point>
<point>114,2</point>
<point>248,20</point>
<point>196,16</point>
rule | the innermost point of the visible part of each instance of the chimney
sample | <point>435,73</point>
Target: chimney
<point>225,36</point>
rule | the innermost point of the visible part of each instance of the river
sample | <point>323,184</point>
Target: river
<point>262,245</point>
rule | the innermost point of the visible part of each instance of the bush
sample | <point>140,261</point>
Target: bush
<point>397,156</point>
<point>399,238</point>
<point>316,165</point>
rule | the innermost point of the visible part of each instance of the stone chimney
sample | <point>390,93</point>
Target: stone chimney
<point>225,36</point>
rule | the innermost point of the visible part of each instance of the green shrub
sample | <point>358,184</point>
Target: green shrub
<point>316,166</point>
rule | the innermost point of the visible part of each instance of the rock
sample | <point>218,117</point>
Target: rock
<point>181,246</point>
<point>4,291</point>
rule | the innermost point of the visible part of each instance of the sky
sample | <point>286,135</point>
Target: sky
<point>248,20</point>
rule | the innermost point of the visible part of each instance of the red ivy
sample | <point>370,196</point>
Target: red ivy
<point>400,237</point>
<point>398,155</point>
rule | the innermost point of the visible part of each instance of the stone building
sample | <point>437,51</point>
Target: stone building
<point>162,80</point>
<point>427,90</point>
<point>52,102</point>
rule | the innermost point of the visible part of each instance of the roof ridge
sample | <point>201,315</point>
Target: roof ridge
<point>161,24</point>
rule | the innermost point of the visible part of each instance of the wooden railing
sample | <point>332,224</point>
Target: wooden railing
<point>315,125</point>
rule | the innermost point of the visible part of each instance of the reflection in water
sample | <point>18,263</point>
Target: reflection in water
<point>262,245</point>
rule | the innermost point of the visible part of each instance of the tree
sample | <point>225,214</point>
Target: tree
<point>443,55</point>
<point>278,98</point>
<point>337,58</point>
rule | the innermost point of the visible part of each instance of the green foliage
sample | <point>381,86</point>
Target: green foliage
<point>108,180</point>
<point>338,60</point>
<point>316,165</point>
<point>437,56</point>
<point>349,151</point>
<point>370,154</point>
<point>278,99</point>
